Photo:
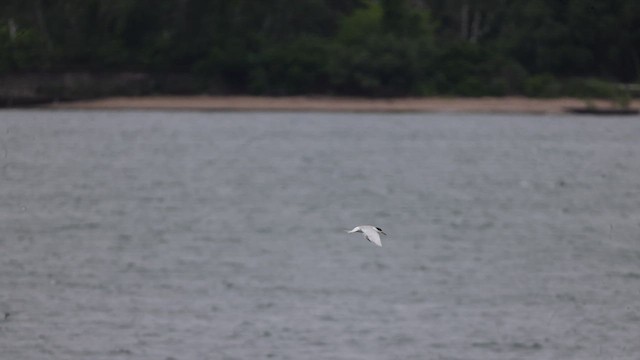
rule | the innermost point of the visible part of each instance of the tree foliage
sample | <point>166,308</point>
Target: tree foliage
<point>354,47</point>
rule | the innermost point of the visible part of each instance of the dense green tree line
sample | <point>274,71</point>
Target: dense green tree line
<point>347,47</point>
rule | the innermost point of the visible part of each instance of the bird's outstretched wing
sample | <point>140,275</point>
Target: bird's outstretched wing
<point>372,236</point>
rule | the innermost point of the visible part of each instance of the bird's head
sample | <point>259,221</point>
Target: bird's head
<point>380,231</point>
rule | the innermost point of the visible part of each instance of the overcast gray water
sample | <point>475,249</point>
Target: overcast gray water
<point>195,235</point>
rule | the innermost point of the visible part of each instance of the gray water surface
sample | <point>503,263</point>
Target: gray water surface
<point>195,235</point>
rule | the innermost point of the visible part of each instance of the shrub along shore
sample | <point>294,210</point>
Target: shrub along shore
<point>180,91</point>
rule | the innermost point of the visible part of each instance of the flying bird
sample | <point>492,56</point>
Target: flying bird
<point>371,233</point>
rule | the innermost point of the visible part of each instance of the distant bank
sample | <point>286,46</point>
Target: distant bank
<point>338,104</point>
<point>139,91</point>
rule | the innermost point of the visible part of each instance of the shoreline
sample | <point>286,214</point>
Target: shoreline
<point>337,104</point>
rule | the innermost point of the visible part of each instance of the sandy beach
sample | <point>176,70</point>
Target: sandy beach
<point>330,104</point>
